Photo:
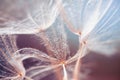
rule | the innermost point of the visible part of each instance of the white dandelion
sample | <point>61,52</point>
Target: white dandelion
<point>96,22</point>
<point>10,67</point>
<point>57,58</point>
<point>27,17</point>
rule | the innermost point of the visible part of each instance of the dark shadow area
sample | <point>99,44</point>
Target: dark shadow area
<point>95,66</point>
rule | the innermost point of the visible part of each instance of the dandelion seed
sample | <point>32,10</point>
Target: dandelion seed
<point>89,19</point>
<point>95,19</point>
<point>92,20</point>
<point>11,60</point>
<point>9,66</point>
<point>27,17</point>
<point>57,56</point>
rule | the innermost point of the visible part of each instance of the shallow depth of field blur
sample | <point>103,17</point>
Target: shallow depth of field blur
<point>59,40</point>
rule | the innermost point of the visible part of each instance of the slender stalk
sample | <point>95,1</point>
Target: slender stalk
<point>65,73</point>
<point>28,78</point>
<point>77,66</point>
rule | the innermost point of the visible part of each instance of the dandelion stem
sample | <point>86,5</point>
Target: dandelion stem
<point>65,73</point>
<point>77,66</point>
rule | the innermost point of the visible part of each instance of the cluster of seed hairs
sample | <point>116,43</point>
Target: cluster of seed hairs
<point>95,22</point>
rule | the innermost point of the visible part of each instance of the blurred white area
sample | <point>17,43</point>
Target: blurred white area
<point>96,22</point>
<point>27,17</point>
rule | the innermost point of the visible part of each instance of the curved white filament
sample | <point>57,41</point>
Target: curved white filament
<point>65,77</point>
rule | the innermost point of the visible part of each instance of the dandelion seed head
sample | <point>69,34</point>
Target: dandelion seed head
<point>91,20</point>
<point>23,17</point>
